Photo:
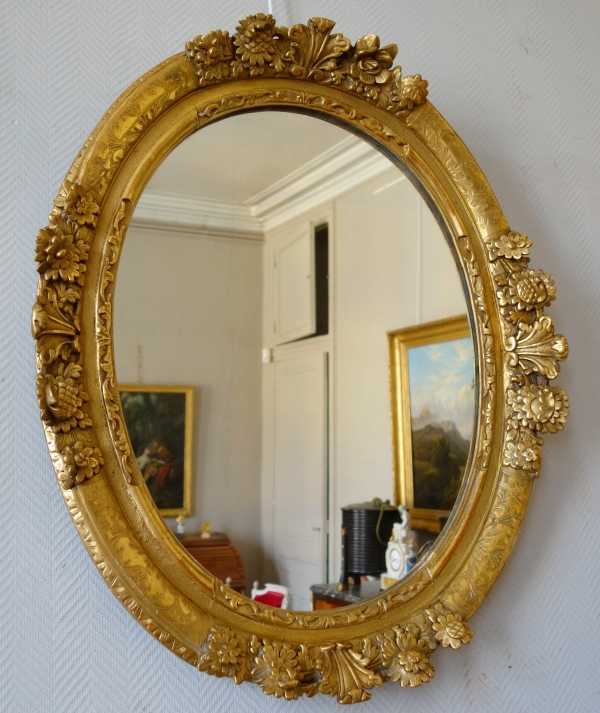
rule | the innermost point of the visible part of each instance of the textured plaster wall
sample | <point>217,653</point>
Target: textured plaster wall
<point>519,81</point>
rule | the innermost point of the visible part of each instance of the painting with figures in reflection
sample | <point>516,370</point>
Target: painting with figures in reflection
<point>432,371</point>
<point>159,424</point>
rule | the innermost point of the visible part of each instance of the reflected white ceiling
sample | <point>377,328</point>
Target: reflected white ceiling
<point>234,159</point>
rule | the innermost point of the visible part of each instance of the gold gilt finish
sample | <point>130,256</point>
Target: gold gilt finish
<point>343,653</point>
<point>399,342</point>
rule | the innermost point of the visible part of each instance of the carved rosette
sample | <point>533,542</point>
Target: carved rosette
<point>261,49</point>
<point>534,352</point>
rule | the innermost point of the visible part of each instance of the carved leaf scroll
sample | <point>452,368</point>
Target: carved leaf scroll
<point>110,391</point>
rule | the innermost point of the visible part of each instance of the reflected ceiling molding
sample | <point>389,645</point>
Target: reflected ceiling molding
<point>328,176</point>
<point>346,165</point>
<point>225,218</point>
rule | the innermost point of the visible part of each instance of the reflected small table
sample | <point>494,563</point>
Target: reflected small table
<point>329,596</point>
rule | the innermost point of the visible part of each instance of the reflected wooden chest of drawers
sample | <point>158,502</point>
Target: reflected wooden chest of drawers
<point>219,557</point>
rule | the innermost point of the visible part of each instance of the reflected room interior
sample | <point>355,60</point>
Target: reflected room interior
<point>266,263</point>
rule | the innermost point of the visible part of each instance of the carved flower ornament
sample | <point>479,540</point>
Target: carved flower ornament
<point>260,48</point>
<point>278,672</point>
<point>512,245</point>
<point>405,656</point>
<point>66,296</point>
<point>524,454</point>
<point>410,92</point>
<point>61,253</point>
<point>528,290</point>
<point>540,408</point>
<point>81,461</point>
<point>224,654</point>
<point>81,206</point>
<point>60,399</point>
<point>370,64</point>
<point>450,630</point>
<point>212,52</point>
<point>255,43</point>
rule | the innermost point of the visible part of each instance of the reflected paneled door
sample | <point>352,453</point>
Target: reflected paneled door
<point>300,474</point>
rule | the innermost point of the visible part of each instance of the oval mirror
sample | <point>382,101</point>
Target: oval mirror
<point>282,239</point>
<point>333,362</point>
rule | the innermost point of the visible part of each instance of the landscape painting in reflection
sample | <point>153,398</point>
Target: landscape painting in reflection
<point>441,380</point>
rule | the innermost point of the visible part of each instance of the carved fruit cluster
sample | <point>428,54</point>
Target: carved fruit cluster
<point>347,670</point>
<point>261,49</point>
<point>61,251</point>
<point>534,351</point>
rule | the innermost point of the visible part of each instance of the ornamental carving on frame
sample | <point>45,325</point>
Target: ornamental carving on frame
<point>349,652</point>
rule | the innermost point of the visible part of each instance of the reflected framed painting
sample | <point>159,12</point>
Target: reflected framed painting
<point>159,423</point>
<point>432,388</point>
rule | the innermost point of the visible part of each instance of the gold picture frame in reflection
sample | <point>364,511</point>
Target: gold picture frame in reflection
<point>159,421</point>
<point>432,388</point>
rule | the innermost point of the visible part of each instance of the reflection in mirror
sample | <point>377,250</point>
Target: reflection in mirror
<point>267,262</point>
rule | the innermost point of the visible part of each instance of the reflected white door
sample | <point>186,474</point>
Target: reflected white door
<point>300,474</point>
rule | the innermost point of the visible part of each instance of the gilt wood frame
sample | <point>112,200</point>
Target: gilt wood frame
<point>348,652</point>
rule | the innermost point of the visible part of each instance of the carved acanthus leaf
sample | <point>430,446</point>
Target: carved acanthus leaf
<point>54,324</point>
<point>348,671</point>
<point>538,349</point>
<point>313,50</point>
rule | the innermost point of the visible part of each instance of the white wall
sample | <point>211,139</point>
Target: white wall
<point>188,311</point>
<point>519,81</point>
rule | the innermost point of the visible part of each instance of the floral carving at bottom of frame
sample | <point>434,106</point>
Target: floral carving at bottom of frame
<point>347,670</point>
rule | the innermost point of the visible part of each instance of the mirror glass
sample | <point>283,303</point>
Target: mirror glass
<point>267,262</point>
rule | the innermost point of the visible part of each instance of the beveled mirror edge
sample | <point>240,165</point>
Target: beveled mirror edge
<point>518,352</point>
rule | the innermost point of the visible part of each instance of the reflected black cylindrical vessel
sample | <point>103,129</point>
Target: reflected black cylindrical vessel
<point>365,554</point>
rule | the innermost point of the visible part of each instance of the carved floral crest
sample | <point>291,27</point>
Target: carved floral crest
<point>261,49</point>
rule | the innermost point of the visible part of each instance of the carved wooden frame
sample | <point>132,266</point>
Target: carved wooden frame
<point>347,652</point>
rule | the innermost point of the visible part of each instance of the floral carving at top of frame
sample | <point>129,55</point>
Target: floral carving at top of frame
<point>312,52</point>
